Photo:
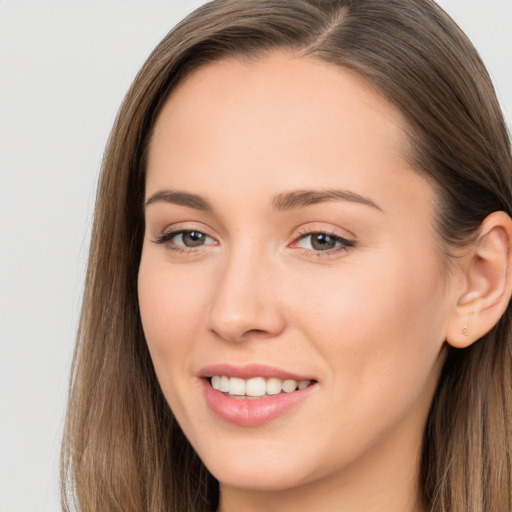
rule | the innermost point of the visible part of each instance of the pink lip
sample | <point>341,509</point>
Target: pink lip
<point>256,411</point>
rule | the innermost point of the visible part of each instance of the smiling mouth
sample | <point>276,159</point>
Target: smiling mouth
<point>256,387</point>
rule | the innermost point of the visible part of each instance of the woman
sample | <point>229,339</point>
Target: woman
<point>298,288</point>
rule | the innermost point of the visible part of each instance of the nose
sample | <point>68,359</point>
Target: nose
<point>245,305</point>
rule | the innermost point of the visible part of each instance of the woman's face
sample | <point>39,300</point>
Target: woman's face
<point>289,245</point>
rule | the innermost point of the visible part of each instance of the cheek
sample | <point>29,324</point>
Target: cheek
<point>380,327</point>
<point>170,308</point>
<point>380,335</point>
<point>171,312</point>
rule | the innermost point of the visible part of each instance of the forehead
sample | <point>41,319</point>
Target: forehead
<point>303,88</point>
<point>280,121</point>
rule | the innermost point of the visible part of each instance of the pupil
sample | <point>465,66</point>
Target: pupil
<point>193,238</point>
<point>322,242</point>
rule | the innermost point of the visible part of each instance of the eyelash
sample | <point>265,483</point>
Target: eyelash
<point>343,244</point>
<point>166,239</point>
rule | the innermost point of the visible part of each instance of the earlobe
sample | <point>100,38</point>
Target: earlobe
<point>487,282</point>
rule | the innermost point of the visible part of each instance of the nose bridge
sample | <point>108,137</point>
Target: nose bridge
<point>242,304</point>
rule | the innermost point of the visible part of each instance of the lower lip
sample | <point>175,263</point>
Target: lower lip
<point>254,411</point>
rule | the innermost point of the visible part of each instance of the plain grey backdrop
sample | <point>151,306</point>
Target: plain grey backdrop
<point>64,68</point>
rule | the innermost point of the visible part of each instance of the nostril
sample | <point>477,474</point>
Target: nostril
<point>254,332</point>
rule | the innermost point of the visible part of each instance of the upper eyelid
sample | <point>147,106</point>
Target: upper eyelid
<point>349,241</point>
<point>332,234</point>
<point>180,227</point>
<point>174,233</point>
<point>331,231</point>
<point>167,234</point>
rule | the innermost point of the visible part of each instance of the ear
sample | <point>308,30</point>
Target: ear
<point>486,282</point>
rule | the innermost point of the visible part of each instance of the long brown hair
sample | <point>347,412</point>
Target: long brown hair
<point>123,450</point>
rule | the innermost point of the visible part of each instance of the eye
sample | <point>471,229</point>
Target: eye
<point>185,239</point>
<point>190,238</point>
<point>323,242</point>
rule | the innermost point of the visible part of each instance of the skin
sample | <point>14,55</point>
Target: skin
<point>368,321</point>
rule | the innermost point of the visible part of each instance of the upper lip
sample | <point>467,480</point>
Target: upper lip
<point>250,371</point>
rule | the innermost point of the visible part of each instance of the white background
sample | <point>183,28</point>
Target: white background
<point>64,68</point>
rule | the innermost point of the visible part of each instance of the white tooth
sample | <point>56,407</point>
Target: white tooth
<point>274,386</point>
<point>236,386</point>
<point>216,382</point>
<point>255,387</point>
<point>304,384</point>
<point>224,384</point>
<point>289,385</point>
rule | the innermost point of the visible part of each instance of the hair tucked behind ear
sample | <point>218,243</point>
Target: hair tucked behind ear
<point>123,450</point>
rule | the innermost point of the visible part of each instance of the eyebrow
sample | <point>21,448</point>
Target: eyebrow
<point>301,198</point>
<point>180,199</point>
<point>282,202</point>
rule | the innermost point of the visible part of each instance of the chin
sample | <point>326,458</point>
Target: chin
<point>254,477</point>
<point>258,465</point>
